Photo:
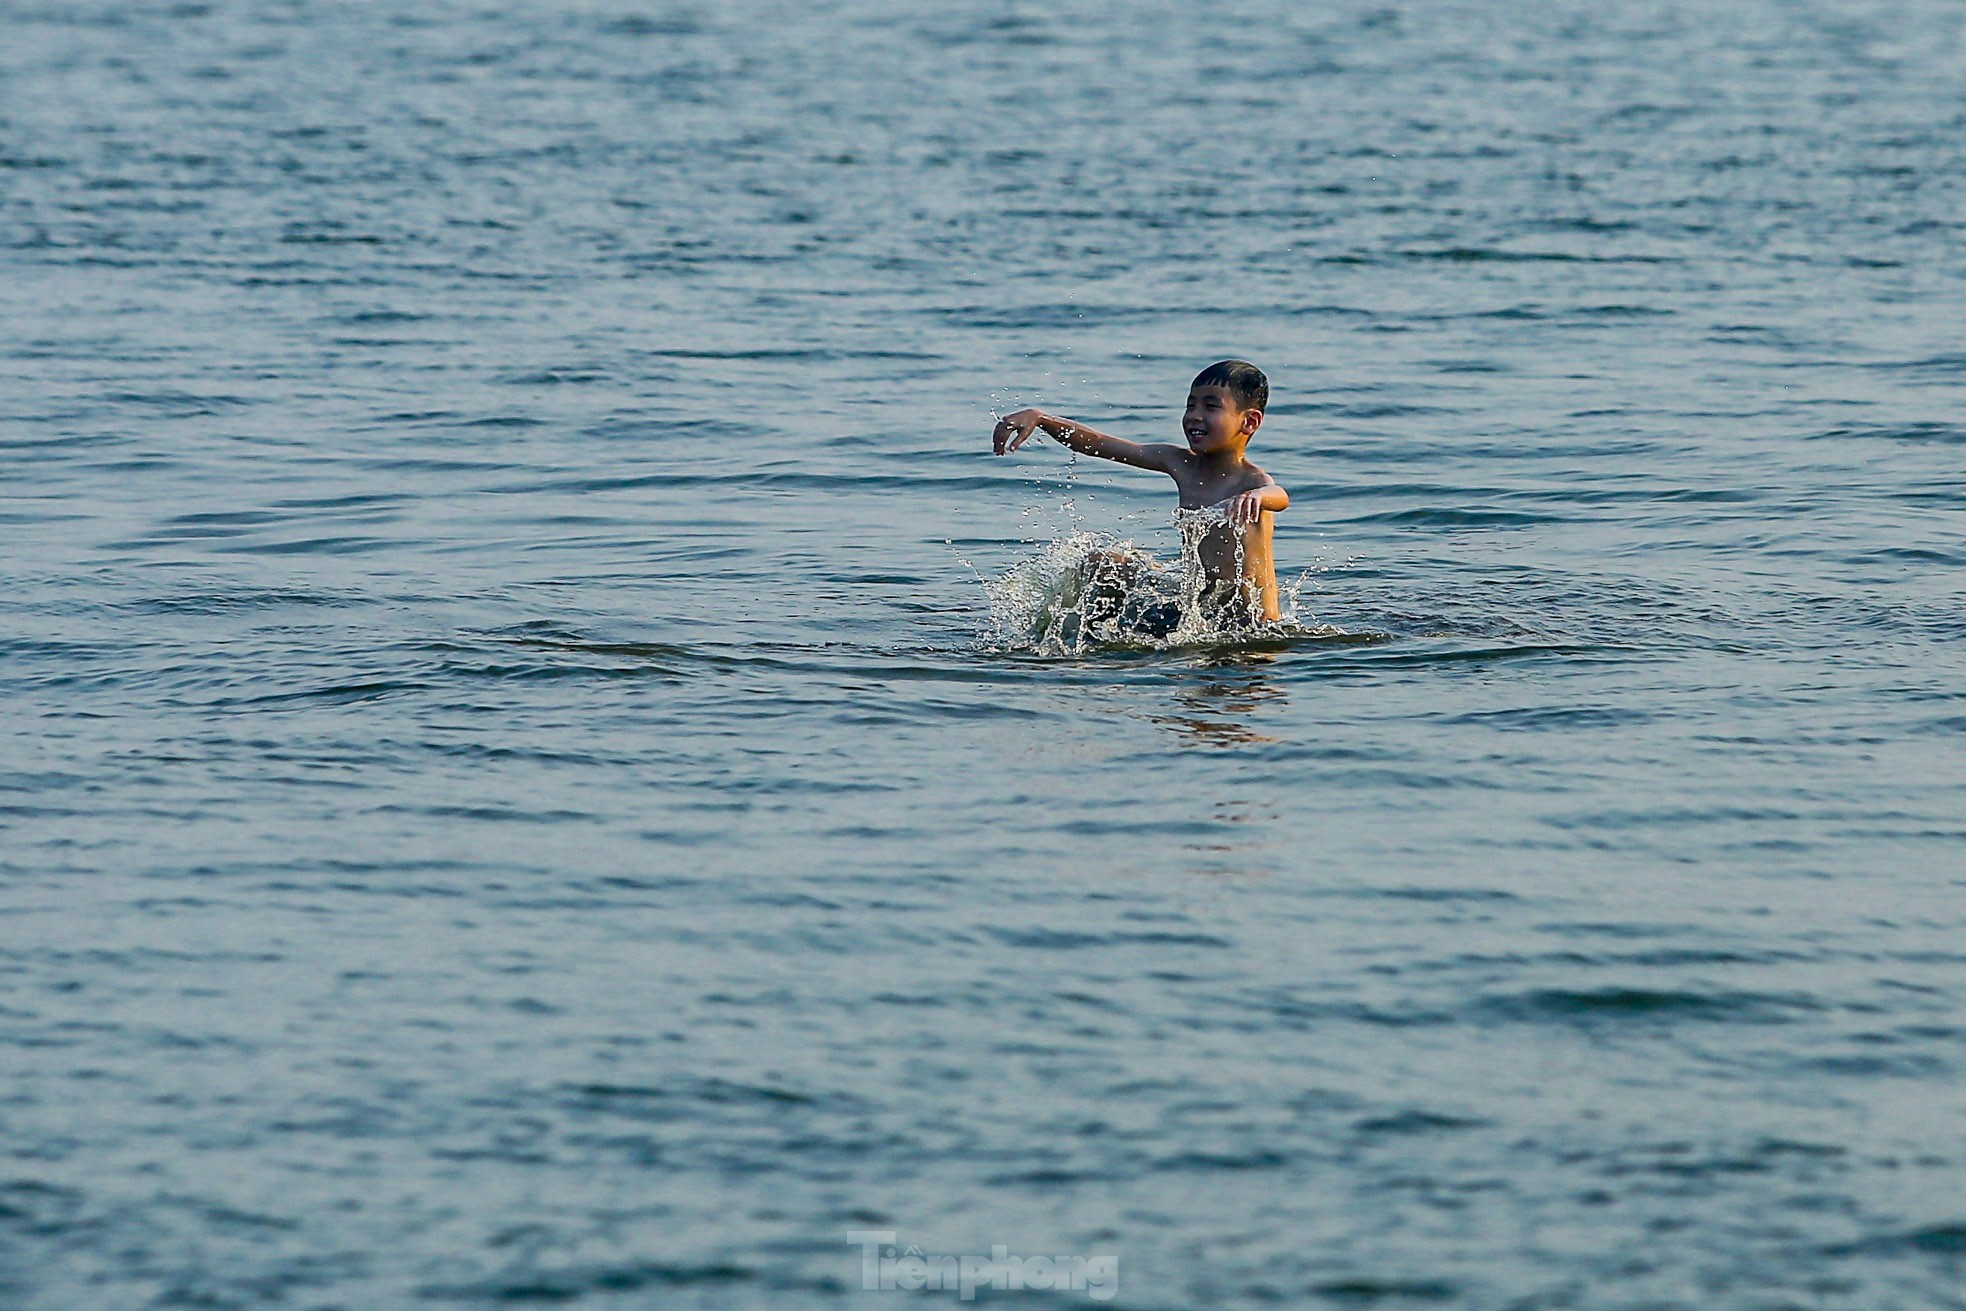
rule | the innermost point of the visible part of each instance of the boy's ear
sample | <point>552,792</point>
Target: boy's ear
<point>1252,419</point>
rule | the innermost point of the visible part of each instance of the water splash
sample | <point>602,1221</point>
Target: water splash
<point>1086,591</point>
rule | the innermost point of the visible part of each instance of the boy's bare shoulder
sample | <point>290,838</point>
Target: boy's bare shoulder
<point>1251,476</point>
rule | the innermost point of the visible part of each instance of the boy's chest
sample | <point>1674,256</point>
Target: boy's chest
<point>1201,488</point>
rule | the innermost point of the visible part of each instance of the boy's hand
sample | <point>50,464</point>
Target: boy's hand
<point>1244,509</point>
<point>1013,430</point>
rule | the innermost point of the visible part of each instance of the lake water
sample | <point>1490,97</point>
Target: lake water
<point>511,797</point>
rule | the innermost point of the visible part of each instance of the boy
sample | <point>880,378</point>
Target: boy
<point>1225,407</point>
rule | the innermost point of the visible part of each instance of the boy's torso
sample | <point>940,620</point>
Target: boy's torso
<point>1202,488</point>
<point>1224,560</point>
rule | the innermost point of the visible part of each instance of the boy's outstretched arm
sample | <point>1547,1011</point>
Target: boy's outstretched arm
<point>1013,430</point>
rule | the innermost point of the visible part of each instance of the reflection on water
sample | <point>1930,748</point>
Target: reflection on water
<point>1227,710</point>
<point>1246,847</point>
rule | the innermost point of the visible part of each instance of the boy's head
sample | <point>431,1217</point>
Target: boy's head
<point>1243,381</point>
<point>1225,406</point>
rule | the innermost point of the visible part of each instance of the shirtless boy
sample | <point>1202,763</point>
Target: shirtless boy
<point>1225,407</point>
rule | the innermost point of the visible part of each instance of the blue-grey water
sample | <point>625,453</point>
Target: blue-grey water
<point>509,796</point>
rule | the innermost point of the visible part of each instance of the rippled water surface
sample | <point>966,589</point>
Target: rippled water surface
<point>509,795</point>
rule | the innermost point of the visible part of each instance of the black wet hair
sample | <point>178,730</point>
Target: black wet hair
<point>1243,381</point>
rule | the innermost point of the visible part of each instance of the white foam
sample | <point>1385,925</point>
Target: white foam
<point>1086,591</point>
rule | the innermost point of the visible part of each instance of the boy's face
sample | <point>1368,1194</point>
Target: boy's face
<point>1213,422</point>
